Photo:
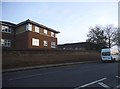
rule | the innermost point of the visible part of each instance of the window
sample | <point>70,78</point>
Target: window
<point>6,43</point>
<point>53,45</point>
<point>52,34</point>
<point>45,43</point>
<point>37,29</point>
<point>35,42</point>
<point>105,53</point>
<point>29,27</point>
<point>6,29</point>
<point>76,48</point>
<point>2,42</point>
<point>45,31</point>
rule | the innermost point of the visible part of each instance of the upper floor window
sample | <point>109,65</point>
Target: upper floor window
<point>29,27</point>
<point>53,45</point>
<point>6,29</point>
<point>35,42</point>
<point>45,43</point>
<point>45,31</point>
<point>52,34</point>
<point>6,43</point>
<point>37,29</point>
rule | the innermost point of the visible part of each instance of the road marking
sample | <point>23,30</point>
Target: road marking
<point>104,85</point>
<point>118,86</point>
<point>117,77</point>
<point>24,77</point>
<point>90,83</point>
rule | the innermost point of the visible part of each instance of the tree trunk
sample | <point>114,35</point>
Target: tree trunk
<point>109,43</point>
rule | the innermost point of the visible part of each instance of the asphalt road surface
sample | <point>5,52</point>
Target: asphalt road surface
<point>77,76</point>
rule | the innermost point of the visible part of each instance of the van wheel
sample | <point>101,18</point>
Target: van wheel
<point>104,61</point>
<point>114,59</point>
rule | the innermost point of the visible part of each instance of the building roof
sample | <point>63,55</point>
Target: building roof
<point>37,24</point>
<point>7,23</point>
<point>84,45</point>
<point>27,21</point>
<point>79,43</point>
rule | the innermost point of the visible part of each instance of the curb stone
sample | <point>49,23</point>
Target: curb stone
<point>44,66</point>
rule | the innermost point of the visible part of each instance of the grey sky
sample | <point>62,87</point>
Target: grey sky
<point>72,19</point>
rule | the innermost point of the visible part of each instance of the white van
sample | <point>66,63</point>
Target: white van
<point>109,54</point>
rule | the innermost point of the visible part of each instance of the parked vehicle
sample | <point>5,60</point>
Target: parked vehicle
<point>109,54</point>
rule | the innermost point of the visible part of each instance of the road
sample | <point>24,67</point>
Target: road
<point>98,74</point>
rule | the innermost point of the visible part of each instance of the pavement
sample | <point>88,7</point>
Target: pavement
<point>44,66</point>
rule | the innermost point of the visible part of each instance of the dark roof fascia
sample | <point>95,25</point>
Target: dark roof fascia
<point>75,43</point>
<point>37,24</point>
<point>7,23</point>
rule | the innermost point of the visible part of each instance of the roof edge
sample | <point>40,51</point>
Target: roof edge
<point>35,23</point>
<point>7,23</point>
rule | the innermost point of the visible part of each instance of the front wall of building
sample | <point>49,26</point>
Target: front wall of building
<point>21,40</point>
<point>21,29</point>
<point>41,38</point>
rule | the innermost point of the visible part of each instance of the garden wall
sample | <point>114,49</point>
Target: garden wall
<point>25,58</point>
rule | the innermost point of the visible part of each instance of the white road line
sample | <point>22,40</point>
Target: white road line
<point>90,83</point>
<point>117,77</point>
<point>29,76</point>
<point>104,85</point>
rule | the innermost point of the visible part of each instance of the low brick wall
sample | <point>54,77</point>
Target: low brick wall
<point>23,58</point>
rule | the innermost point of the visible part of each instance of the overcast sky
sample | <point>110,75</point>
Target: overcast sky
<point>72,19</point>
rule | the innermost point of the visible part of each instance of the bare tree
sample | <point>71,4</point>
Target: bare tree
<point>110,33</point>
<point>107,36</point>
<point>117,36</point>
<point>96,35</point>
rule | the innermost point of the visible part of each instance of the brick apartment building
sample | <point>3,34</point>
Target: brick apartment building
<point>27,34</point>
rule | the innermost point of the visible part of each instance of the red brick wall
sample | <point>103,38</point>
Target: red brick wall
<point>21,40</point>
<point>24,40</point>
<point>41,39</point>
<point>9,36</point>
<point>26,58</point>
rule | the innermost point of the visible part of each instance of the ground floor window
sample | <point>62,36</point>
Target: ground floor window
<point>45,43</point>
<point>35,42</point>
<point>53,45</point>
<point>5,43</point>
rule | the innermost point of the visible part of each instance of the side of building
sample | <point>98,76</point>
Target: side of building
<point>8,31</point>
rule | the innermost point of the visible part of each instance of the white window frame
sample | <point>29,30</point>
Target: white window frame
<point>29,27</point>
<point>5,29</point>
<point>37,29</point>
<point>6,43</point>
<point>35,42</point>
<point>53,45</point>
<point>45,43</point>
<point>45,31</point>
<point>52,34</point>
<point>2,42</point>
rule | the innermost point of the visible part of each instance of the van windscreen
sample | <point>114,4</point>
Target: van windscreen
<point>105,53</point>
